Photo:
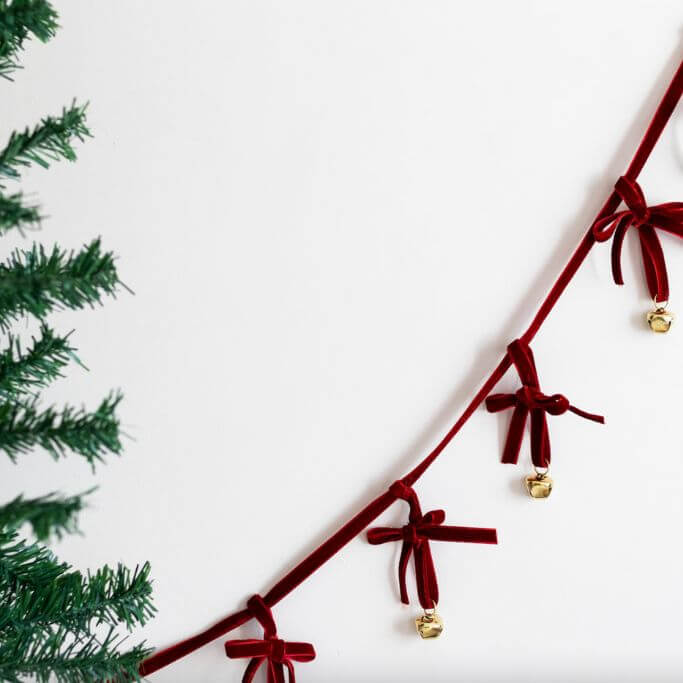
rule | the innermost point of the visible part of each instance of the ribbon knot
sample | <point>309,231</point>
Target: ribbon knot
<point>410,535</point>
<point>667,217</point>
<point>416,536</point>
<point>401,490</point>
<point>276,652</point>
<point>530,400</point>
<point>641,215</point>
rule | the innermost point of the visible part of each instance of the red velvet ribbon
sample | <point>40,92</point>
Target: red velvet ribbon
<point>416,536</point>
<point>277,653</point>
<point>530,400</point>
<point>638,214</point>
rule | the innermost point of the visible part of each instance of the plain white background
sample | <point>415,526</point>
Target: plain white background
<point>335,215</point>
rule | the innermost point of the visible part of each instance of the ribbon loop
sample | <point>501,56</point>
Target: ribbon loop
<point>667,217</point>
<point>415,537</point>
<point>530,400</point>
<point>276,652</point>
<point>433,518</point>
<point>261,612</point>
<point>632,195</point>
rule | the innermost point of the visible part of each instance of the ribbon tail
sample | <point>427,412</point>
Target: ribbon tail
<point>251,669</point>
<point>427,587</point>
<point>587,416</point>
<point>406,550</point>
<point>290,670</point>
<point>654,263</point>
<point>617,244</point>
<point>513,442</point>
<point>276,673</point>
<point>540,441</point>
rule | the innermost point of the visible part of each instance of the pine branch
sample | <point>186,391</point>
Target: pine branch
<point>18,20</point>
<point>28,564</point>
<point>50,140</point>
<point>116,597</point>
<point>92,435</point>
<point>77,603</point>
<point>56,658</point>
<point>34,282</point>
<point>16,215</point>
<point>48,515</point>
<point>49,612</point>
<point>23,372</point>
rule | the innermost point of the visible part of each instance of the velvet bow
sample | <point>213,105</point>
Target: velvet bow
<point>276,652</point>
<point>638,214</point>
<point>416,536</point>
<point>530,400</point>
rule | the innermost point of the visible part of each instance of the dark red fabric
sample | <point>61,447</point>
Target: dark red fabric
<point>356,525</point>
<point>667,217</point>
<point>530,400</point>
<point>276,653</point>
<point>416,536</point>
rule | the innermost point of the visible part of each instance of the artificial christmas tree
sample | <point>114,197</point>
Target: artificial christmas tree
<point>56,623</point>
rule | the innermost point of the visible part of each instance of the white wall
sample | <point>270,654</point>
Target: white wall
<point>335,215</point>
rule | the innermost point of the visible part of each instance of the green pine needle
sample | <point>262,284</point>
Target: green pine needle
<point>114,596</point>
<point>48,515</point>
<point>16,215</point>
<point>28,564</point>
<point>49,613</point>
<point>22,372</point>
<point>18,20</point>
<point>78,603</point>
<point>55,658</point>
<point>92,435</point>
<point>50,140</point>
<point>35,282</point>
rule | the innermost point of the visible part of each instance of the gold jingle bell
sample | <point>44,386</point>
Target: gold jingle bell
<point>429,625</point>
<point>660,319</point>
<point>539,485</point>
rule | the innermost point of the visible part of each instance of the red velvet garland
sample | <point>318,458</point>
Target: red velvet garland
<point>638,214</point>
<point>530,399</point>
<point>416,536</point>
<point>356,525</point>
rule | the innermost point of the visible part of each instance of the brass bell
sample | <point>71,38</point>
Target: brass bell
<point>539,485</point>
<point>429,625</point>
<point>660,319</point>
